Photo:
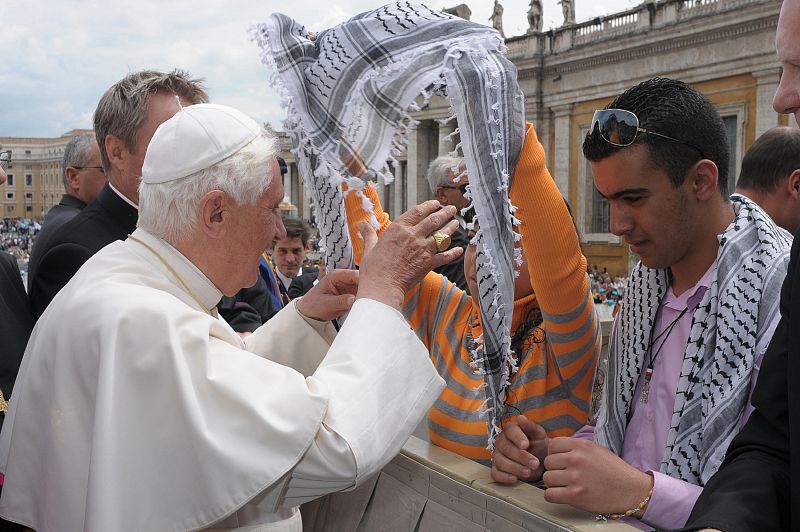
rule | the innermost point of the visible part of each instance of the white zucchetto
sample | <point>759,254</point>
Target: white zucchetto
<point>195,138</point>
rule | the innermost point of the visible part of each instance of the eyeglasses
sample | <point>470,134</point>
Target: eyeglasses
<point>5,159</point>
<point>462,188</point>
<point>87,167</point>
<point>620,127</point>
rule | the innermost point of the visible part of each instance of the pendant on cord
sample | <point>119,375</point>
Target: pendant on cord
<point>646,388</point>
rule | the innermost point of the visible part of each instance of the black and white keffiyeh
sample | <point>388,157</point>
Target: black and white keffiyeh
<point>714,384</point>
<point>348,95</point>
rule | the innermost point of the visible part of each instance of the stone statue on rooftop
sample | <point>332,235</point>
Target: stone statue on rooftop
<point>568,9</point>
<point>497,18</point>
<point>535,16</point>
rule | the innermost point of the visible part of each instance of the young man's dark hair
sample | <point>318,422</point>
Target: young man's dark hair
<point>680,112</point>
<point>297,228</point>
<point>282,165</point>
<point>771,158</point>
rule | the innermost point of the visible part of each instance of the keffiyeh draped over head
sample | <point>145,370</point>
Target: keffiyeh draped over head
<point>348,95</point>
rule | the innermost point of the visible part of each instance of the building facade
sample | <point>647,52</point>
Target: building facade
<point>34,175</point>
<point>724,48</point>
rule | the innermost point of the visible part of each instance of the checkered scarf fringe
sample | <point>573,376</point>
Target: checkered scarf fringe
<point>714,384</point>
<point>349,95</point>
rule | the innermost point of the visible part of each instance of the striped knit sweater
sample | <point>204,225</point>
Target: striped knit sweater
<point>557,366</point>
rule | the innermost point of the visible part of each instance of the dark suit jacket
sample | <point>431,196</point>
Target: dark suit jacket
<point>758,486</point>
<point>58,215</point>
<point>302,283</point>
<point>66,209</point>
<point>454,271</point>
<point>249,308</point>
<point>16,322</point>
<point>107,219</point>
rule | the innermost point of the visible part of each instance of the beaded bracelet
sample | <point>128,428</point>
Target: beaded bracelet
<point>630,512</point>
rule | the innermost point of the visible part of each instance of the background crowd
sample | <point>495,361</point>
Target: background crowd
<point>17,237</point>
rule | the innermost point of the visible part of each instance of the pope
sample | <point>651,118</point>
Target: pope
<point>137,408</point>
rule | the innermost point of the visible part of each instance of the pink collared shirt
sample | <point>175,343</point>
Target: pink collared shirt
<point>646,435</point>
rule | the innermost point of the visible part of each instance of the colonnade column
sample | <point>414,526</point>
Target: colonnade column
<point>766,83</point>
<point>446,145</point>
<point>560,167</point>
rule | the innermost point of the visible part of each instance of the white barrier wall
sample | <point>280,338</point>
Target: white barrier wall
<point>429,489</point>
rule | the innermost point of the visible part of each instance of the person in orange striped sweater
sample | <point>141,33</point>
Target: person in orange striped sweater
<point>555,331</point>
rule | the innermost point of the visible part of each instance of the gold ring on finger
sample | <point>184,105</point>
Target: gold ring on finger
<point>442,241</point>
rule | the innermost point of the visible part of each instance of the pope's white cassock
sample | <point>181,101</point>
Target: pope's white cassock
<point>137,408</point>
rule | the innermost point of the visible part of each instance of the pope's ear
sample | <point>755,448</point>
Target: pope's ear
<point>214,213</point>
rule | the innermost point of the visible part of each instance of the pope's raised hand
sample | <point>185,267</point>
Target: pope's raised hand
<point>406,252</point>
<point>331,297</point>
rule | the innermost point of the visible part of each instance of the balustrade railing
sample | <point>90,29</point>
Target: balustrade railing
<point>644,17</point>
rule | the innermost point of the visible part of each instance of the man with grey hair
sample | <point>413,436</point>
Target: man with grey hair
<point>138,408</point>
<point>448,182</point>
<point>83,178</point>
<point>126,117</point>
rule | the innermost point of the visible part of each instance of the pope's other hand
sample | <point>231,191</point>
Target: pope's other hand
<point>331,297</point>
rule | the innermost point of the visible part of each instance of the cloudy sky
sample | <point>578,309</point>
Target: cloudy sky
<point>57,57</point>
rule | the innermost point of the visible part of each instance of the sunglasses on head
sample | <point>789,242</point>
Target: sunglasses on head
<point>620,127</point>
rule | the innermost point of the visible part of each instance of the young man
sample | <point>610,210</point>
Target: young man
<point>696,318</point>
<point>289,253</point>
<point>757,486</point>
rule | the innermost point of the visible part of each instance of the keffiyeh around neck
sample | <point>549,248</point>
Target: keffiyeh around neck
<point>348,96</point>
<point>714,384</point>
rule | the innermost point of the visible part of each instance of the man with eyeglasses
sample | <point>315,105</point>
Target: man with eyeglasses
<point>756,489</point>
<point>449,186</point>
<point>83,179</point>
<point>697,316</point>
<point>124,121</point>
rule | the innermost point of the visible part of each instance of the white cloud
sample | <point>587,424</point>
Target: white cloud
<point>60,56</point>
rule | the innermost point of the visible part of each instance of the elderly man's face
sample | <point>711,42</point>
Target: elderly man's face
<point>90,179</point>
<point>787,43</point>
<point>255,228</point>
<point>453,192</point>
